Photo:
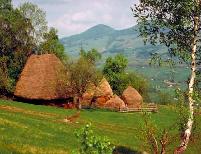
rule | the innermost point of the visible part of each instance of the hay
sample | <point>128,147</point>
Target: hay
<point>115,103</point>
<point>103,93</point>
<point>42,79</point>
<point>88,96</point>
<point>132,98</point>
<point>103,89</point>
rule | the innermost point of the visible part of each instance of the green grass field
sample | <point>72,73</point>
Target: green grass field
<point>27,128</point>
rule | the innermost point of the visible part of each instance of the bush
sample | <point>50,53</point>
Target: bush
<point>92,144</point>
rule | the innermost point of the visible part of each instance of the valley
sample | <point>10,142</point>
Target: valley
<point>110,42</point>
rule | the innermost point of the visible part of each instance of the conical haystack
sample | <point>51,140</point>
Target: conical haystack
<point>132,98</point>
<point>115,103</point>
<point>102,93</point>
<point>103,89</point>
<point>43,78</point>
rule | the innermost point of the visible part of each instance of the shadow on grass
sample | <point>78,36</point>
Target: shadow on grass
<point>124,150</point>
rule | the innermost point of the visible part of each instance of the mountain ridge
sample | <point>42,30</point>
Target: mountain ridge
<point>110,41</point>
<point>127,42</point>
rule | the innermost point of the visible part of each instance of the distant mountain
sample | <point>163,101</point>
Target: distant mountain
<point>109,42</point>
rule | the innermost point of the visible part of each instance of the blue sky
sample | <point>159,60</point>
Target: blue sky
<point>75,16</point>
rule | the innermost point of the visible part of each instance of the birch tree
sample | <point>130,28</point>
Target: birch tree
<point>176,24</point>
<point>37,17</point>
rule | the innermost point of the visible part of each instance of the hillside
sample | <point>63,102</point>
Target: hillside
<point>27,128</point>
<point>109,41</point>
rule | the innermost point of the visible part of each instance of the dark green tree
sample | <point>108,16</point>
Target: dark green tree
<point>91,56</point>
<point>16,45</point>
<point>115,71</point>
<point>117,64</point>
<point>5,4</point>
<point>51,44</point>
<point>177,25</point>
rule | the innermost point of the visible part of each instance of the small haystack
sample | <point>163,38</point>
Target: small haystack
<point>115,103</point>
<point>43,78</point>
<point>103,93</point>
<point>132,98</point>
<point>88,96</point>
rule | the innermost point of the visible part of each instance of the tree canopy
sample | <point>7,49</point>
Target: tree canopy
<point>115,71</point>
<point>83,72</point>
<point>16,44</point>
<point>37,18</point>
<point>177,25</point>
<point>52,45</point>
<point>92,56</point>
<point>23,31</point>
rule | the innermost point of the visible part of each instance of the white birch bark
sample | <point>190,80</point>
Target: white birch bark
<point>191,101</point>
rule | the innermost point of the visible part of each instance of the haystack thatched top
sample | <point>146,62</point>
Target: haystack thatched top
<point>103,89</point>
<point>42,78</point>
<point>132,92</point>
<point>90,88</point>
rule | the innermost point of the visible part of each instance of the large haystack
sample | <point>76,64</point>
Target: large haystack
<point>115,103</point>
<point>132,98</point>
<point>43,78</point>
<point>103,93</point>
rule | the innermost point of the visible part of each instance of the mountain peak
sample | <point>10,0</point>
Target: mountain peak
<point>102,26</point>
<point>99,29</point>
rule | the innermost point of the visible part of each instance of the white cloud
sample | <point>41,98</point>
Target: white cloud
<point>74,16</point>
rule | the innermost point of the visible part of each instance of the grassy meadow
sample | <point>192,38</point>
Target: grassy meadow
<point>27,128</point>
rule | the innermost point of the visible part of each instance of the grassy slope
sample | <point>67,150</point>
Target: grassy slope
<point>27,128</point>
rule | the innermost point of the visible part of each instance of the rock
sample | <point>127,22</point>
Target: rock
<point>132,98</point>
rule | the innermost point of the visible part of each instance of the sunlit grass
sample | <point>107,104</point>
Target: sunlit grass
<point>27,128</point>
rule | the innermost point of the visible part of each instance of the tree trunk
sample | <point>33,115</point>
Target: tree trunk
<point>155,145</point>
<point>77,102</point>
<point>164,142</point>
<point>187,133</point>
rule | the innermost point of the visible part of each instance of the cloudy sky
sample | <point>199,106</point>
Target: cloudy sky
<point>75,16</point>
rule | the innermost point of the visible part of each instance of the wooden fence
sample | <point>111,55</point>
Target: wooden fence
<point>145,108</point>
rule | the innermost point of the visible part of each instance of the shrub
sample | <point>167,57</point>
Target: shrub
<point>91,143</point>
